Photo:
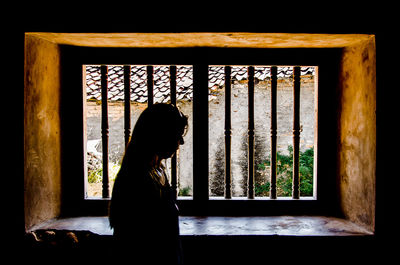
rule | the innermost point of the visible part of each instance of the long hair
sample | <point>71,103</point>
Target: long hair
<point>157,132</point>
<point>154,132</point>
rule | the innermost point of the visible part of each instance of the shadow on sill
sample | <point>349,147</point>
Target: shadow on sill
<point>209,240</point>
<point>227,226</point>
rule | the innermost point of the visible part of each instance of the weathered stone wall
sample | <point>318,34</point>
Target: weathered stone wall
<point>42,151</point>
<point>216,130</point>
<point>116,127</point>
<point>357,124</point>
<point>239,167</point>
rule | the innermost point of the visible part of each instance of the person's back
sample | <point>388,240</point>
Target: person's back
<point>143,212</point>
<point>145,223</point>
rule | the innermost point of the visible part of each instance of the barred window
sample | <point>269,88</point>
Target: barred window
<point>260,127</point>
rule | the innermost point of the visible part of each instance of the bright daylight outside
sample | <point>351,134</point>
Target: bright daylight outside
<point>239,117</point>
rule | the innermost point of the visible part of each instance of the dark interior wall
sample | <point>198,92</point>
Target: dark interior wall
<point>337,18</point>
<point>42,149</point>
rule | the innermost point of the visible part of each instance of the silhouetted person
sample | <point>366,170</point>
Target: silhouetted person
<point>143,212</point>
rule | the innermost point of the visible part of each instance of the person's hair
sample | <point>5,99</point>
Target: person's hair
<point>154,133</point>
<point>158,131</point>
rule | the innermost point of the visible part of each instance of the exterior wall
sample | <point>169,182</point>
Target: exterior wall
<point>116,125</point>
<point>216,130</point>
<point>262,117</point>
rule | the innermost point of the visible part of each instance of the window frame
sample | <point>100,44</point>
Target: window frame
<point>73,125</point>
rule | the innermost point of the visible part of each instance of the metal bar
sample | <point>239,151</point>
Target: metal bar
<point>200,133</point>
<point>228,134</point>
<point>172,76</point>
<point>274,127</point>
<point>104,129</point>
<point>127,103</point>
<point>150,85</point>
<point>250,178</point>
<point>296,132</point>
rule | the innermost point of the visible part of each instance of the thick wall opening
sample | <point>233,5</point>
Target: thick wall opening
<point>356,147</point>
<point>42,135</point>
<point>357,134</point>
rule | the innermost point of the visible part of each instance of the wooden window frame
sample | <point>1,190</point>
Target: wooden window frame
<point>73,125</point>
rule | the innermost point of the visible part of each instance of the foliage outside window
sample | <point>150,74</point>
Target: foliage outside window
<point>284,171</point>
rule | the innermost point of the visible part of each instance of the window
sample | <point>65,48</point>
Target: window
<point>235,134</point>
<point>241,158</point>
<point>123,109</point>
<point>197,196</point>
<point>345,125</point>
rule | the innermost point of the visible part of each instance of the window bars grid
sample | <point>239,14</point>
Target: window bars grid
<point>273,133</point>
<point>200,108</point>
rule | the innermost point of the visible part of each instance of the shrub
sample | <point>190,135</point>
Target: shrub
<point>184,191</point>
<point>284,172</point>
<point>95,175</point>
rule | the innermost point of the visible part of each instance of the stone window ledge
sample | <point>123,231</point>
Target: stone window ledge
<point>226,226</point>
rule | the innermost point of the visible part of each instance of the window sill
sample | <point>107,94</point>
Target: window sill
<point>310,198</point>
<point>262,226</point>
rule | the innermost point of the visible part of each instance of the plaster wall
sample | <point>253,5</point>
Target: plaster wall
<point>42,181</point>
<point>216,131</point>
<point>357,133</point>
<point>262,116</point>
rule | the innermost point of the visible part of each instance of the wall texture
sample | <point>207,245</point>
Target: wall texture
<point>356,151</point>
<point>239,163</point>
<point>42,170</point>
<point>216,131</point>
<point>357,134</point>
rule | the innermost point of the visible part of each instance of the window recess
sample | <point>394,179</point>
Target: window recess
<point>346,67</point>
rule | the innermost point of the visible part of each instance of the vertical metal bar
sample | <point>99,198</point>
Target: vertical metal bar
<point>250,178</point>
<point>104,128</point>
<point>85,125</point>
<point>127,103</point>
<point>296,132</point>
<point>150,85</point>
<point>200,133</point>
<point>228,134</point>
<point>172,76</point>
<point>272,192</point>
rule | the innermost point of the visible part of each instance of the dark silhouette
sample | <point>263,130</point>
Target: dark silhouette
<point>143,212</point>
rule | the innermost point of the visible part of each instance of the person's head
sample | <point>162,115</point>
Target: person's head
<point>158,131</point>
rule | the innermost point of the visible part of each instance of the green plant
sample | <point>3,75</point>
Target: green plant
<point>262,189</point>
<point>184,191</point>
<point>96,175</point>
<point>284,172</point>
